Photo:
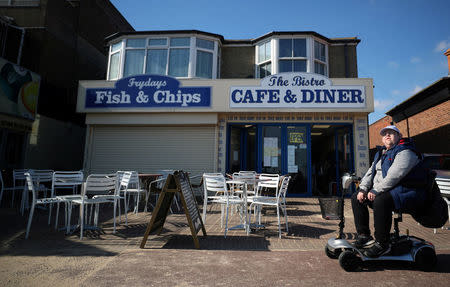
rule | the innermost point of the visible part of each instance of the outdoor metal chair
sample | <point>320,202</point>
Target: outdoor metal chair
<point>98,189</point>
<point>216,191</point>
<point>4,189</point>
<point>278,201</point>
<point>32,183</point>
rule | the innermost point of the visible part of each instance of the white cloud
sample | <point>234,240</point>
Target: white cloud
<point>442,46</point>
<point>395,92</point>
<point>415,60</point>
<point>381,105</point>
<point>416,90</point>
<point>393,65</point>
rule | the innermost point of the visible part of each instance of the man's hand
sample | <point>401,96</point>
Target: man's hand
<point>361,196</point>
<point>371,196</point>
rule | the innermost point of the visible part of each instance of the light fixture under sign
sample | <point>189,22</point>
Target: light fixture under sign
<point>316,134</point>
<point>320,126</point>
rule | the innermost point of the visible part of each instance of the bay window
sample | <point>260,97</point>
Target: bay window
<point>301,54</point>
<point>292,55</point>
<point>264,60</point>
<point>320,59</point>
<point>184,57</point>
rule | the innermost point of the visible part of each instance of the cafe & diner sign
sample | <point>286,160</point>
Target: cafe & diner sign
<point>297,90</point>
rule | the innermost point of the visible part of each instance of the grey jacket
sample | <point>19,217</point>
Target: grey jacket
<point>404,161</point>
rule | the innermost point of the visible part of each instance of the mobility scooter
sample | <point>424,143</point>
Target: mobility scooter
<point>404,248</point>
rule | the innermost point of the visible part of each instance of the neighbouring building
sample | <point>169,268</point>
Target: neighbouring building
<point>424,117</point>
<point>285,102</point>
<point>46,46</point>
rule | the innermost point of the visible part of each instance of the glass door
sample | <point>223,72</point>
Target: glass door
<point>271,149</point>
<point>242,148</point>
<point>297,159</point>
<point>344,152</point>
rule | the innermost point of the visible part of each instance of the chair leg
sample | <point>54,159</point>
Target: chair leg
<point>126,208</point>
<point>82,211</point>
<point>286,218</point>
<point>97,211</point>
<point>50,207</point>
<point>12,198</point>
<point>205,203</point>
<point>279,225</point>
<point>114,212</point>
<point>57,216</point>
<point>30,218</point>
<point>226,221</point>
<point>136,206</point>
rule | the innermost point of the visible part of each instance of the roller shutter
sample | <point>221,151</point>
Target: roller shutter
<point>149,149</point>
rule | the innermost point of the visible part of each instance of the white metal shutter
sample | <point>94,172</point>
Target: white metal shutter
<point>149,149</point>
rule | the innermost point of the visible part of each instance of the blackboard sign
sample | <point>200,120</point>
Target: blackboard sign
<point>188,200</point>
<point>176,183</point>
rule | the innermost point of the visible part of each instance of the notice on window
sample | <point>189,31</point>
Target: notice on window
<point>292,168</point>
<point>271,151</point>
<point>295,137</point>
<point>291,155</point>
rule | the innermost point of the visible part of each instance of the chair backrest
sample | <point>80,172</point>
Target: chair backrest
<point>164,174</point>
<point>284,186</point>
<point>42,175</point>
<point>443,184</point>
<point>248,176</point>
<point>269,181</point>
<point>214,183</point>
<point>63,179</point>
<point>3,185</point>
<point>125,180</point>
<point>68,176</point>
<point>133,181</point>
<point>19,175</point>
<point>29,182</point>
<point>100,184</point>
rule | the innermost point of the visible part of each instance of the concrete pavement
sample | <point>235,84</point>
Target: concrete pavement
<point>50,258</point>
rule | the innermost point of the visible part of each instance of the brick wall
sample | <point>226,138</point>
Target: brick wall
<point>420,125</point>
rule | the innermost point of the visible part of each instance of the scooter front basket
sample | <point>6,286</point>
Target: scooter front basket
<point>331,207</point>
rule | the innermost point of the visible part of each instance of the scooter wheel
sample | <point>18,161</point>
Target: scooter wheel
<point>426,259</point>
<point>332,254</point>
<point>349,261</point>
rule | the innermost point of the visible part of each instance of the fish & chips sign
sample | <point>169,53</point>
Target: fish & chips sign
<point>148,91</point>
<point>297,90</point>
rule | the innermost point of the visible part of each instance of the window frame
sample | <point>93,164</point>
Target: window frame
<point>266,61</point>
<point>317,60</point>
<point>275,50</point>
<point>293,58</point>
<point>111,53</point>
<point>192,48</point>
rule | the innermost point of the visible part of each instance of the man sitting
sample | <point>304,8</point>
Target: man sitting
<point>382,190</point>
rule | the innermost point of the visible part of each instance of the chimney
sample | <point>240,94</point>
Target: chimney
<point>447,53</point>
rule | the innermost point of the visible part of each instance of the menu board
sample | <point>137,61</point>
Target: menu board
<point>178,182</point>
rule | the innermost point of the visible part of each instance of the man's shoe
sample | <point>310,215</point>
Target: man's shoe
<point>363,241</point>
<point>378,249</point>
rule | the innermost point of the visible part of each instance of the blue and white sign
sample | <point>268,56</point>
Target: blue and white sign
<point>148,91</point>
<point>297,90</point>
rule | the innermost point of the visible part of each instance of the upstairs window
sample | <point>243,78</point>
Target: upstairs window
<point>134,57</point>
<point>174,56</point>
<point>292,55</point>
<point>320,60</point>
<point>179,57</point>
<point>205,53</point>
<point>264,60</point>
<point>114,61</point>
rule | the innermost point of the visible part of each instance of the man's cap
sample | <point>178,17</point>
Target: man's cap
<point>394,128</point>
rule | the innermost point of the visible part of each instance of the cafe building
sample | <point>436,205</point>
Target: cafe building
<point>285,102</point>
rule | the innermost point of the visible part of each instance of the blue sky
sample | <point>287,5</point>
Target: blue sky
<point>402,41</point>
